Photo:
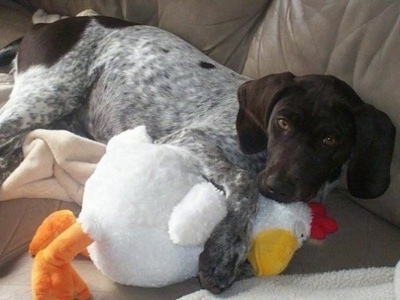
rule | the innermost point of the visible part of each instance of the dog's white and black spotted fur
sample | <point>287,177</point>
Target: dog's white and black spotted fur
<point>98,77</point>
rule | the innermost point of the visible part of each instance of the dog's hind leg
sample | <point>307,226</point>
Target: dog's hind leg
<point>40,97</point>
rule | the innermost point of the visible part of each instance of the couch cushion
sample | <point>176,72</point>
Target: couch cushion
<point>19,219</point>
<point>363,240</point>
<point>354,40</point>
<point>221,29</point>
<point>14,22</point>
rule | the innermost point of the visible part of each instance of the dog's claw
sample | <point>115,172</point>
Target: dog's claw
<point>208,283</point>
<point>214,283</point>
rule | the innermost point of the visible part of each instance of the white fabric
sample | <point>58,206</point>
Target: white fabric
<point>363,284</point>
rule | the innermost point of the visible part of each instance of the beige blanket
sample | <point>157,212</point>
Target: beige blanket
<point>57,164</point>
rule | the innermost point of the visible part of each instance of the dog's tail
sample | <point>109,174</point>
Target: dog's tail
<point>9,52</point>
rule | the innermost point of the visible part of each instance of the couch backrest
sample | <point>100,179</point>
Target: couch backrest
<point>355,40</point>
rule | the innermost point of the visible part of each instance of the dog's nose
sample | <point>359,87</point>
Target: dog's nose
<point>281,190</point>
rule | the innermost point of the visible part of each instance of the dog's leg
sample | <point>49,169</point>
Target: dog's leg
<point>10,156</point>
<point>41,96</point>
<point>225,252</point>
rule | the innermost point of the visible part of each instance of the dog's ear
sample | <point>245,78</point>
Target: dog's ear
<point>256,100</point>
<point>368,173</point>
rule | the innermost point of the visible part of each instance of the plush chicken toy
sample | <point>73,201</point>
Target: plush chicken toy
<point>147,212</point>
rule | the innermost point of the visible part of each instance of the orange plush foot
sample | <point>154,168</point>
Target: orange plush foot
<point>51,227</point>
<point>56,282</point>
<point>53,276</point>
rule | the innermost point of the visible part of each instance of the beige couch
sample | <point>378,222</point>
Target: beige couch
<point>356,40</point>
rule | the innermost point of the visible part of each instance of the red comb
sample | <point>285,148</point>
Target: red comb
<point>321,223</point>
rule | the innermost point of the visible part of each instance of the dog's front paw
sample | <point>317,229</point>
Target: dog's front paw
<point>220,262</point>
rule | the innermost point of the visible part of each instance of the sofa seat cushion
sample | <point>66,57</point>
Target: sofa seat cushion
<point>19,219</point>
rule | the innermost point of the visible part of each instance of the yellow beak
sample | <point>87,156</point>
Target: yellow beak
<point>271,251</point>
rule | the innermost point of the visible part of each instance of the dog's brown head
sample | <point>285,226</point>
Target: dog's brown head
<point>310,127</point>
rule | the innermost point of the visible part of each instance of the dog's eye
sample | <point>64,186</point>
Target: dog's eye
<point>283,123</point>
<point>329,141</point>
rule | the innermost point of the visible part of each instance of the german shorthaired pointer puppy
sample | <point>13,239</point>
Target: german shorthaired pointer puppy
<point>288,137</point>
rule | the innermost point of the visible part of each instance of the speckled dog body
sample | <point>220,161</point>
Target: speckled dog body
<point>113,79</point>
<point>141,71</point>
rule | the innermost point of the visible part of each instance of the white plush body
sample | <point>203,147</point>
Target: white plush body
<point>127,206</point>
<point>150,211</point>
